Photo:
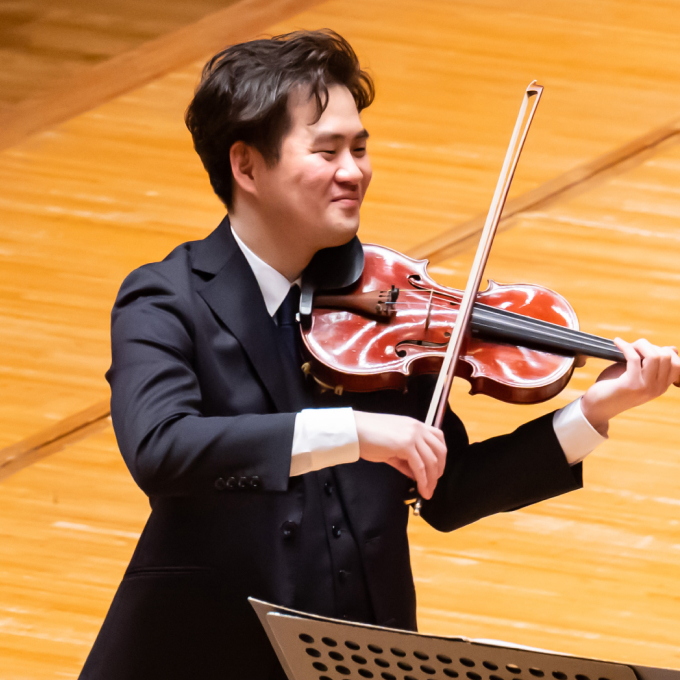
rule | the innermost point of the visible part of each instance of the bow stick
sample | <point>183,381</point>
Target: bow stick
<point>435,415</point>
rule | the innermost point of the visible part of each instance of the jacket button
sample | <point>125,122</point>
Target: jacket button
<point>243,482</point>
<point>328,489</point>
<point>231,483</point>
<point>337,531</point>
<point>343,575</point>
<point>289,529</point>
<point>220,484</point>
<point>255,482</point>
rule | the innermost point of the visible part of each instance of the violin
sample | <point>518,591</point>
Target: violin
<point>521,346</point>
<point>379,317</point>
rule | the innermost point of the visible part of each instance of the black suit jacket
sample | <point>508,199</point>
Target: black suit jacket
<point>205,425</point>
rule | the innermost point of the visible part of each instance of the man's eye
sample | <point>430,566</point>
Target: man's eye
<point>360,149</point>
<point>330,151</point>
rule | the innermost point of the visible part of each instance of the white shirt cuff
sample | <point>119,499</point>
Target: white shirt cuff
<point>576,435</point>
<point>323,437</point>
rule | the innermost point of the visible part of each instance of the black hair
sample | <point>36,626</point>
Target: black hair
<point>244,90</point>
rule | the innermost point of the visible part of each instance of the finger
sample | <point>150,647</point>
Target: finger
<point>666,355</point>
<point>633,359</point>
<point>651,362</point>
<point>439,449</point>
<point>418,472</point>
<point>401,466</point>
<point>626,348</point>
<point>671,367</point>
<point>675,368</point>
<point>430,460</point>
<point>645,348</point>
<point>435,431</point>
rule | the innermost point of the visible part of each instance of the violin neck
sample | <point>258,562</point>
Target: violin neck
<point>491,323</point>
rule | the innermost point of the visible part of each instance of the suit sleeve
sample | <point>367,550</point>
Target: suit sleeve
<point>498,474</point>
<point>168,445</point>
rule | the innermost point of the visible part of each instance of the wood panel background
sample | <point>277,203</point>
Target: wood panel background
<point>45,42</point>
<point>84,202</point>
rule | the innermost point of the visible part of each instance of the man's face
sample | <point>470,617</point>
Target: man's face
<point>314,193</point>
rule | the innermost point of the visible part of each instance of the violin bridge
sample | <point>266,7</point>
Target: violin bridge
<point>429,311</point>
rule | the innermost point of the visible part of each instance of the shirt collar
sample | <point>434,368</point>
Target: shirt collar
<point>273,284</point>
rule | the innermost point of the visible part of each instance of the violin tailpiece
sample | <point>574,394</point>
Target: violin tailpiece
<point>375,303</point>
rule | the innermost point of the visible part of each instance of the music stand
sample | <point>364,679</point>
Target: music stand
<point>312,647</point>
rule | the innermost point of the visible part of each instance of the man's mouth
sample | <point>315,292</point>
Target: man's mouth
<point>346,201</point>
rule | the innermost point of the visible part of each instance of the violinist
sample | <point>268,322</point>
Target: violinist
<point>260,485</point>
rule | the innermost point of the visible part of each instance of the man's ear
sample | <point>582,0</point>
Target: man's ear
<point>242,159</point>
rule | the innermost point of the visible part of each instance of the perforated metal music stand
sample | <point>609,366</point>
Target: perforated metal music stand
<point>311,647</point>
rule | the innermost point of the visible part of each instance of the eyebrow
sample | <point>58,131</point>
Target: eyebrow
<point>335,137</point>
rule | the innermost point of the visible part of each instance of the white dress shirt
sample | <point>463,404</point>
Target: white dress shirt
<point>328,436</point>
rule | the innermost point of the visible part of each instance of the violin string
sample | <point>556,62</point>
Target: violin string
<point>552,331</point>
<point>544,336</point>
<point>422,292</point>
<point>542,330</point>
<point>521,318</point>
<point>563,331</point>
<point>509,324</point>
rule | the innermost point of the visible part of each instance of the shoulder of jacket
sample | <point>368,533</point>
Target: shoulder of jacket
<point>176,266</point>
<point>169,277</point>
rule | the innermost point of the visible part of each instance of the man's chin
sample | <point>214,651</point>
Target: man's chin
<point>340,232</point>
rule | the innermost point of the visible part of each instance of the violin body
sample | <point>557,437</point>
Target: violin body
<point>370,336</point>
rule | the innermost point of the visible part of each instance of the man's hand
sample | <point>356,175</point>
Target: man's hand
<point>648,372</point>
<point>415,449</point>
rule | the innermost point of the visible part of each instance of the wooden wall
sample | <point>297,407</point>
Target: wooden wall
<point>85,201</point>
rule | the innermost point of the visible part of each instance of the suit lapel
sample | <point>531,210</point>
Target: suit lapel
<point>235,298</point>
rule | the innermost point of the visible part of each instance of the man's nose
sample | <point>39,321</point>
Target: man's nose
<point>348,170</point>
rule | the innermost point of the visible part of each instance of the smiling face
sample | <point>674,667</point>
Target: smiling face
<point>313,194</point>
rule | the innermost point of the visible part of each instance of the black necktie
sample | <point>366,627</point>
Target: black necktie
<point>290,341</point>
<point>289,333</point>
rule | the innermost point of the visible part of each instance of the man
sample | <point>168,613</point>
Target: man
<point>255,489</point>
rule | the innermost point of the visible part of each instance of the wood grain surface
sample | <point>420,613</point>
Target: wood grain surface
<point>582,178</point>
<point>54,438</point>
<point>69,526</point>
<point>84,202</point>
<point>87,87</point>
<point>44,42</point>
